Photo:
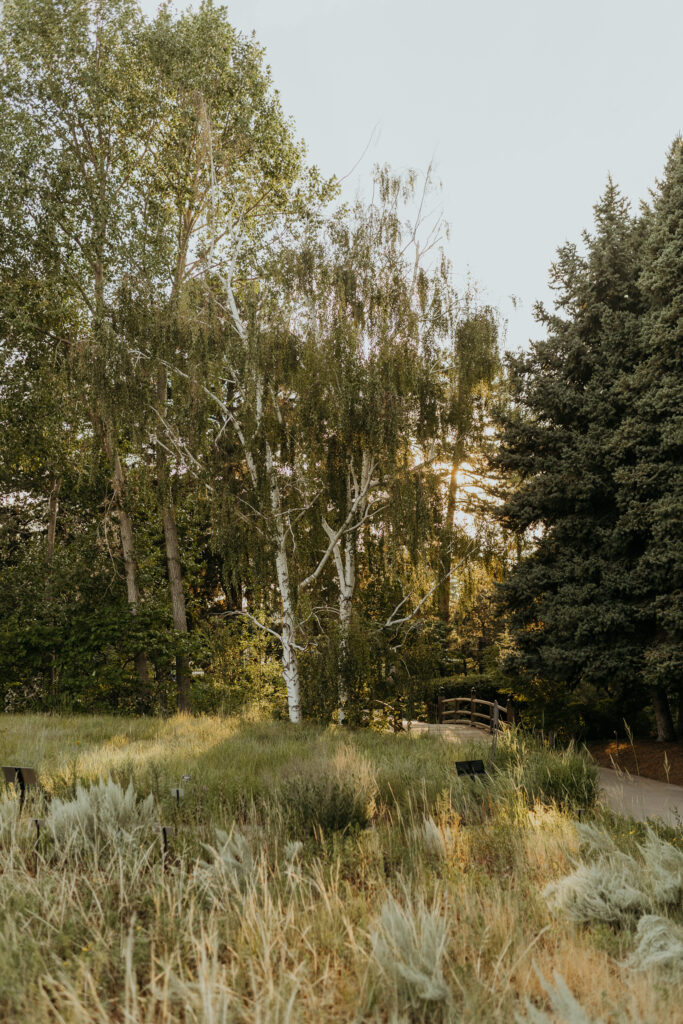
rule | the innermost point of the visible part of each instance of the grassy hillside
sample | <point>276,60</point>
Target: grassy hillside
<point>313,875</point>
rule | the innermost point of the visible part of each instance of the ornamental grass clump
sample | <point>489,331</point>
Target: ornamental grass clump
<point>231,861</point>
<point>103,813</point>
<point>9,816</point>
<point>659,943</point>
<point>323,804</point>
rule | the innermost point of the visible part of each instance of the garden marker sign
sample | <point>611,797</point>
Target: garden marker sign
<point>470,768</point>
<point>21,777</point>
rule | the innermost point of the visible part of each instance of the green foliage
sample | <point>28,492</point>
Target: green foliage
<point>592,446</point>
<point>243,672</point>
<point>319,806</point>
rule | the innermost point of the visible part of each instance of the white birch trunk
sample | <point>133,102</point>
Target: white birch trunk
<point>290,661</point>
<point>344,553</point>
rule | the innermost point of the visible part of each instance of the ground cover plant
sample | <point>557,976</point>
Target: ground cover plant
<point>312,874</point>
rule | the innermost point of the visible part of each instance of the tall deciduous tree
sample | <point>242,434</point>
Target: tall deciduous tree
<point>77,80</point>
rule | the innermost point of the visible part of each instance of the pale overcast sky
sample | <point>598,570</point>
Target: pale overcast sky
<point>525,107</point>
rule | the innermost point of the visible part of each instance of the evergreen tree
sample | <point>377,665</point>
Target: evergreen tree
<point>574,615</point>
<point>648,448</point>
<point>594,439</point>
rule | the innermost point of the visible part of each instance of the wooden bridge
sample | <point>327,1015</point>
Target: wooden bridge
<point>472,711</point>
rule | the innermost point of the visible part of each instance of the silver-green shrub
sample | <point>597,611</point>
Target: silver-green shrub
<point>409,944</point>
<point>616,886</point>
<point>231,861</point>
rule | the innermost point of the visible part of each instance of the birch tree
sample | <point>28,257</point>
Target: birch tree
<point>221,144</point>
<point>336,346</point>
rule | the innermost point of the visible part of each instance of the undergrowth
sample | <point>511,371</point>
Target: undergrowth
<point>308,875</point>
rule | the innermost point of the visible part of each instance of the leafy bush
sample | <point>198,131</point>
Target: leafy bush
<point>325,804</point>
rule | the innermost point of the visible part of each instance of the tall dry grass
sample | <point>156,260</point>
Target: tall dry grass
<point>314,875</point>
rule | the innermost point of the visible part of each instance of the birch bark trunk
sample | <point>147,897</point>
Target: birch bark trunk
<point>346,579</point>
<point>290,660</point>
<point>130,566</point>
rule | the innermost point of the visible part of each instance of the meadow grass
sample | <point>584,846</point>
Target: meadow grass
<point>314,875</point>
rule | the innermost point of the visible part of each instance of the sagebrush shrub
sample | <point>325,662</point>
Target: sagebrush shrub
<point>618,886</point>
<point>659,943</point>
<point>231,860</point>
<point>409,944</point>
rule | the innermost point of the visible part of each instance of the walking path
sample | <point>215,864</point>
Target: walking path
<point>631,795</point>
<point>641,798</point>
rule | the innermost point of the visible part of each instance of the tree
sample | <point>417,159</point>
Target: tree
<point>582,439</point>
<point>471,374</point>
<point>108,154</point>
<point>648,445</point>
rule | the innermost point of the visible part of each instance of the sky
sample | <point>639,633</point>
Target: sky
<point>524,107</point>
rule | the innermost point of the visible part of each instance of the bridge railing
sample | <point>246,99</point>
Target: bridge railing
<point>473,711</point>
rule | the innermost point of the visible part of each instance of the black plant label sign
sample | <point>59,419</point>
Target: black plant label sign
<point>470,768</point>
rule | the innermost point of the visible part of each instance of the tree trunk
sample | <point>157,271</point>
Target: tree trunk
<point>175,585</point>
<point>446,556</point>
<point>173,564</point>
<point>665,725</point>
<point>53,508</point>
<point>130,567</point>
<point>346,577</point>
<point>290,661</point>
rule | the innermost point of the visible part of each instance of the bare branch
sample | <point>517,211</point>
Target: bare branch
<point>391,621</point>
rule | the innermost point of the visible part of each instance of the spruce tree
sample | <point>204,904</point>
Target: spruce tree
<point>575,617</point>
<point>648,449</point>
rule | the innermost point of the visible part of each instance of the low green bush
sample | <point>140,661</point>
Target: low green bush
<point>324,804</point>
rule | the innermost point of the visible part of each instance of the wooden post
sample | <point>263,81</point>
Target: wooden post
<point>439,709</point>
<point>510,713</point>
<point>496,712</point>
<point>472,706</point>
<point>491,717</point>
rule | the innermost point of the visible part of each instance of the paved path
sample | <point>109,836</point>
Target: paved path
<point>641,798</point>
<point>631,795</point>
